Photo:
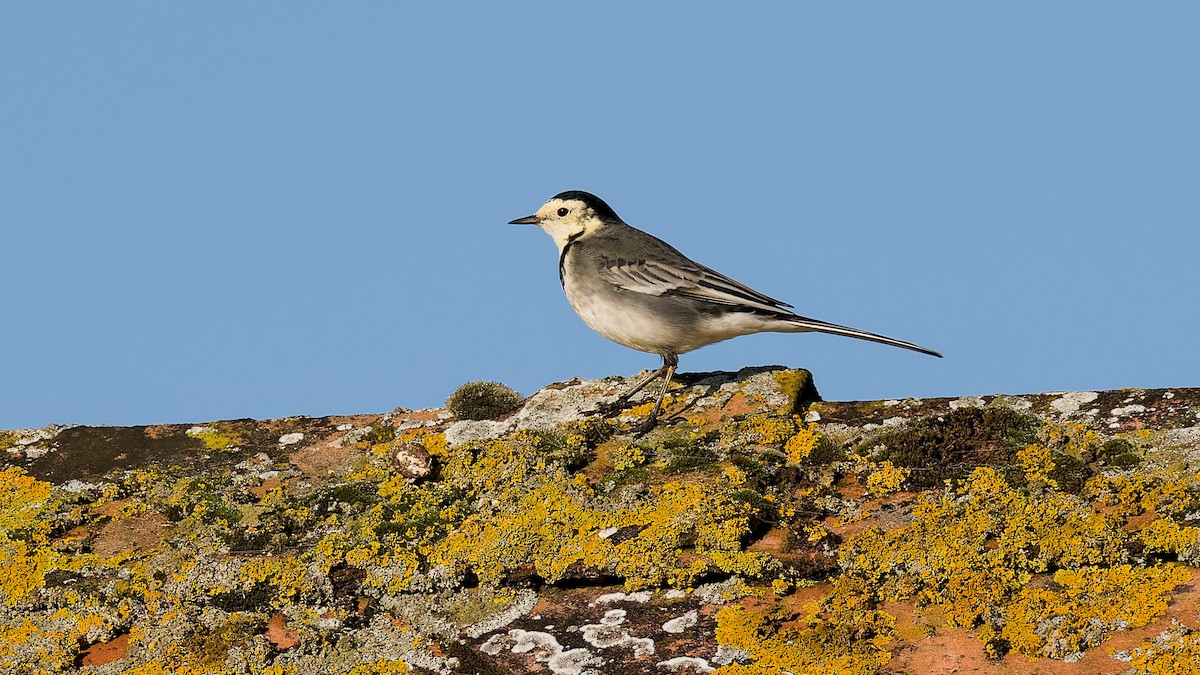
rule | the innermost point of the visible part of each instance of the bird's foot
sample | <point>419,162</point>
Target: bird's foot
<point>645,427</point>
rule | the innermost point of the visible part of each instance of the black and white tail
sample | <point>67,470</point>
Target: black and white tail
<point>805,324</point>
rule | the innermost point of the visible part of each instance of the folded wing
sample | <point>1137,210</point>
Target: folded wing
<point>695,281</point>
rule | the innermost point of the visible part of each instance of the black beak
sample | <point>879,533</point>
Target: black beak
<point>527,220</point>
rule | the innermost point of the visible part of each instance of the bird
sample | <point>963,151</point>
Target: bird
<point>639,291</point>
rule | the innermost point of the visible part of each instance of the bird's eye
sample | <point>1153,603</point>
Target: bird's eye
<point>563,211</point>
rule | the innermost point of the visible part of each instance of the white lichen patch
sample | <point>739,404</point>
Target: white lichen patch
<point>727,655</point>
<point>638,597</point>
<point>567,401</point>
<point>426,417</point>
<point>521,605</point>
<point>354,437</point>
<point>495,644</point>
<point>574,662</point>
<point>691,663</point>
<point>545,649</point>
<point>682,623</point>
<point>720,592</point>
<point>76,486</point>
<point>525,641</point>
<point>967,402</point>
<point>465,431</point>
<point>1127,410</point>
<point>291,439</point>
<point>609,633</point>
<point>1070,402</point>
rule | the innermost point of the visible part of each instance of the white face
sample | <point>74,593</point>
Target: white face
<point>565,218</point>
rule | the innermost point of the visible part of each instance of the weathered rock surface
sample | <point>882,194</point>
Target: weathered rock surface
<point>758,530</point>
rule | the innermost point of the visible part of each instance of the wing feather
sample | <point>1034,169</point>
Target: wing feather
<point>653,277</point>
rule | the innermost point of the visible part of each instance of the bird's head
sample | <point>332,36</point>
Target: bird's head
<point>569,215</point>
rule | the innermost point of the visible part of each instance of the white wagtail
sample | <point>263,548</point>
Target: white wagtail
<point>637,290</point>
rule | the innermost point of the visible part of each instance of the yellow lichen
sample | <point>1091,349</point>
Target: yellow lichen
<point>554,528</point>
<point>1135,494</point>
<point>1176,652</point>
<point>381,667</point>
<point>842,635</point>
<point>1037,463</point>
<point>217,438</point>
<point>23,536</point>
<point>1084,607</point>
<point>21,498</point>
<point>627,456</point>
<point>1166,536</point>
<point>970,549</point>
<point>287,576</point>
<point>801,444</point>
<point>885,479</point>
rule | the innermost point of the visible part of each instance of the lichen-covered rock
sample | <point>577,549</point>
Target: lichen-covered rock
<point>756,530</point>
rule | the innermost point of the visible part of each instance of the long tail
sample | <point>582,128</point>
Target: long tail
<point>806,324</point>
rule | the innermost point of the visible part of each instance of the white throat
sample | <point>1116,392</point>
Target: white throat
<point>562,233</point>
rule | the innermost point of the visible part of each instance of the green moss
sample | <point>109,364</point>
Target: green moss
<point>1118,453</point>
<point>381,432</point>
<point>949,446</point>
<point>483,401</point>
<point>798,385</point>
<point>827,451</point>
<point>200,498</point>
<point>252,599</point>
<point>683,458</point>
<point>210,648</point>
<point>1070,473</point>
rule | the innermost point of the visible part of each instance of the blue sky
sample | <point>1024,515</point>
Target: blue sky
<point>266,209</point>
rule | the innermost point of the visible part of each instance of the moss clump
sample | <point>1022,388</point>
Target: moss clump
<point>1118,453</point>
<point>684,457</point>
<point>950,446</point>
<point>380,433</point>
<point>210,648</point>
<point>483,401</point>
<point>1071,474</point>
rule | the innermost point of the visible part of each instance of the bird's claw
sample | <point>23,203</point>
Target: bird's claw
<point>644,428</point>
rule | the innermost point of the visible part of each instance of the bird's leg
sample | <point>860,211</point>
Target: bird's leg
<point>670,362</point>
<point>610,409</point>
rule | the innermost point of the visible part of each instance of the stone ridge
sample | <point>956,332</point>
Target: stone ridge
<point>758,530</point>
